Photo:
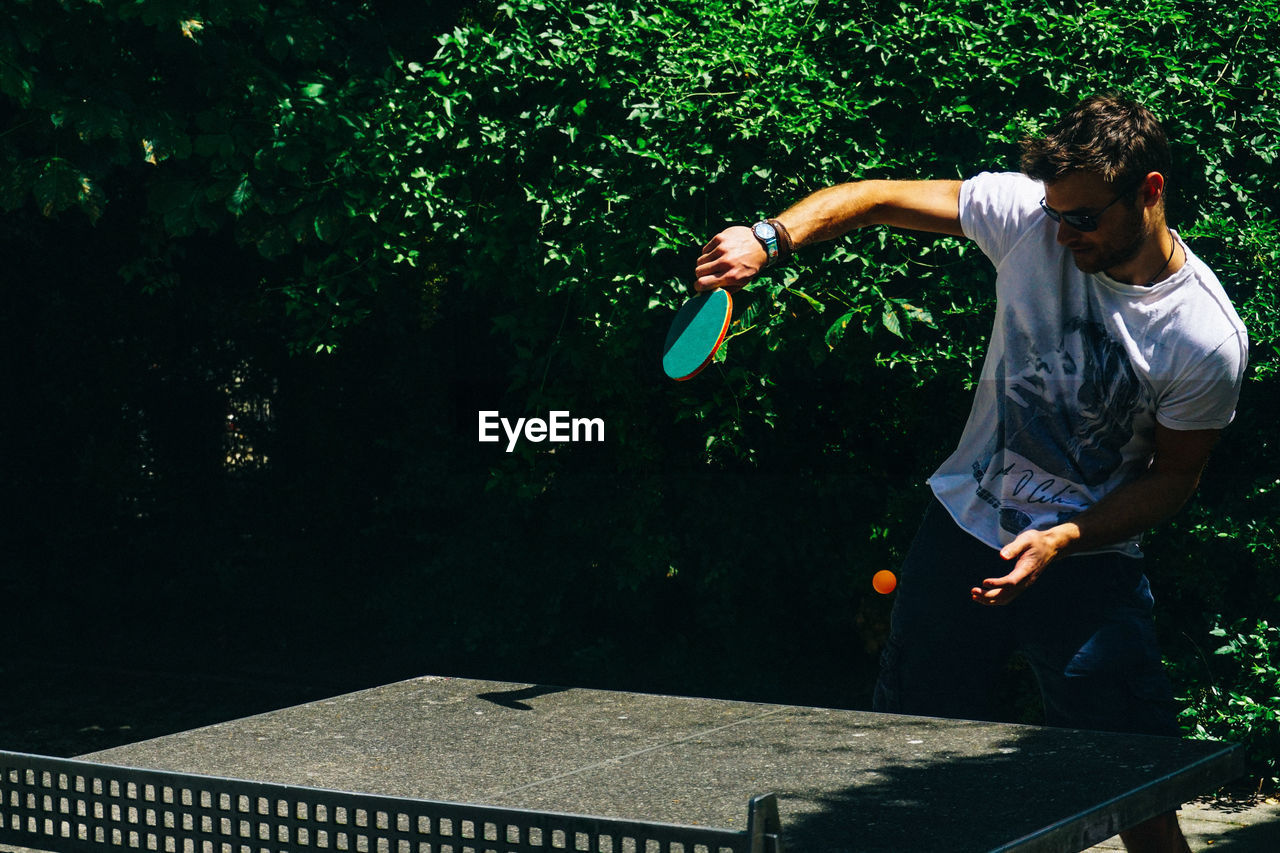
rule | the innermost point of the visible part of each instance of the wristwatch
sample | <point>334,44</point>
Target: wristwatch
<point>768,237</point>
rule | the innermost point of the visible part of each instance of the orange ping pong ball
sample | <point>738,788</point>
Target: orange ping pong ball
<point>884,582</point>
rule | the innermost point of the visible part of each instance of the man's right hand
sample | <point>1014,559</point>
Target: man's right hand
<point>730,260</point>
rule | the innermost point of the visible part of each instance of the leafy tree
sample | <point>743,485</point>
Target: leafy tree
<point>174,120</point>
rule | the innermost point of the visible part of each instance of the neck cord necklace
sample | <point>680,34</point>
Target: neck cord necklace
<point>1168,260</point>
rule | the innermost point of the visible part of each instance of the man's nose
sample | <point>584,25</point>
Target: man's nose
<point>1066,234</point>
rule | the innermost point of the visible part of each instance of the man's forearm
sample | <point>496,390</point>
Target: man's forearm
<point>1128,511</point>
<point>830,213</point>
<point>1161,491</point>
<point>835,211</point>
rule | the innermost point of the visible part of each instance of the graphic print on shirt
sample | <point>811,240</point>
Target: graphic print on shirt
<point>1064,416</point>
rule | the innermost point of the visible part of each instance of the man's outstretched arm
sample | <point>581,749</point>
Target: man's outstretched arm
<point>1179,460</point>
<point>735,256</point>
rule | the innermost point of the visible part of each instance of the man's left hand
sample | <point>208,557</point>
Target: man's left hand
<point>1030,553</point>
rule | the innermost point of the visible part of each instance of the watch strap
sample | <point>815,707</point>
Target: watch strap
<point>785,245</point>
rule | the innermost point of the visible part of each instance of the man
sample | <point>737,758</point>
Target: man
<point>1114,362</point>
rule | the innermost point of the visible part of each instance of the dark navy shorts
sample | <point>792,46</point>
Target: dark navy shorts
<point>1084,626</point>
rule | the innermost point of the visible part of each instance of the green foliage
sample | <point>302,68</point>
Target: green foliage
<point>568,162</point>
<point>1240,699</point>
<point>585,153</point>
<point>226,116</point>
<point>613,138</point>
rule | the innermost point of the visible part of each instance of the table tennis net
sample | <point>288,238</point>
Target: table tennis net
<point>69,805</point>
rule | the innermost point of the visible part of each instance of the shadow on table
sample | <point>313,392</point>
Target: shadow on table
<point>951,800</point>
<point>511,698</point>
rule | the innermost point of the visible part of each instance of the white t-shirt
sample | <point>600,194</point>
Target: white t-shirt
<point>1079,370</point>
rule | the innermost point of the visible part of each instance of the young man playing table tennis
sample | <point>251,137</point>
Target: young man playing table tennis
<point>1114,362</point>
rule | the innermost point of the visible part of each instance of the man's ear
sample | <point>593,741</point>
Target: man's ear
<point>1152,189</point>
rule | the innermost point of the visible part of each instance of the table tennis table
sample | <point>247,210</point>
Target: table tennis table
<point>446,765</point>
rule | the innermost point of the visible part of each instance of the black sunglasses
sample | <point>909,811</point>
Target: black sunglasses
<point>1084,221</point>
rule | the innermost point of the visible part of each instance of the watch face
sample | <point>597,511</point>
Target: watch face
<point>764,231</point>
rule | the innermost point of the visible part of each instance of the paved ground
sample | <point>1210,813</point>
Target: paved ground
<point>1231,825</point>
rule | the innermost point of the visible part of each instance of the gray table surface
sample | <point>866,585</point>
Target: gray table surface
<point>845,780</point>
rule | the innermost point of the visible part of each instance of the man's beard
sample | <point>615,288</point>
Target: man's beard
<point>1105,257</point>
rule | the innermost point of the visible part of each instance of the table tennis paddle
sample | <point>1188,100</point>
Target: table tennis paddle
<point>696,333</point>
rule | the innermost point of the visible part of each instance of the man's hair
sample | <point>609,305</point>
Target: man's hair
<point>1107,135</point>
